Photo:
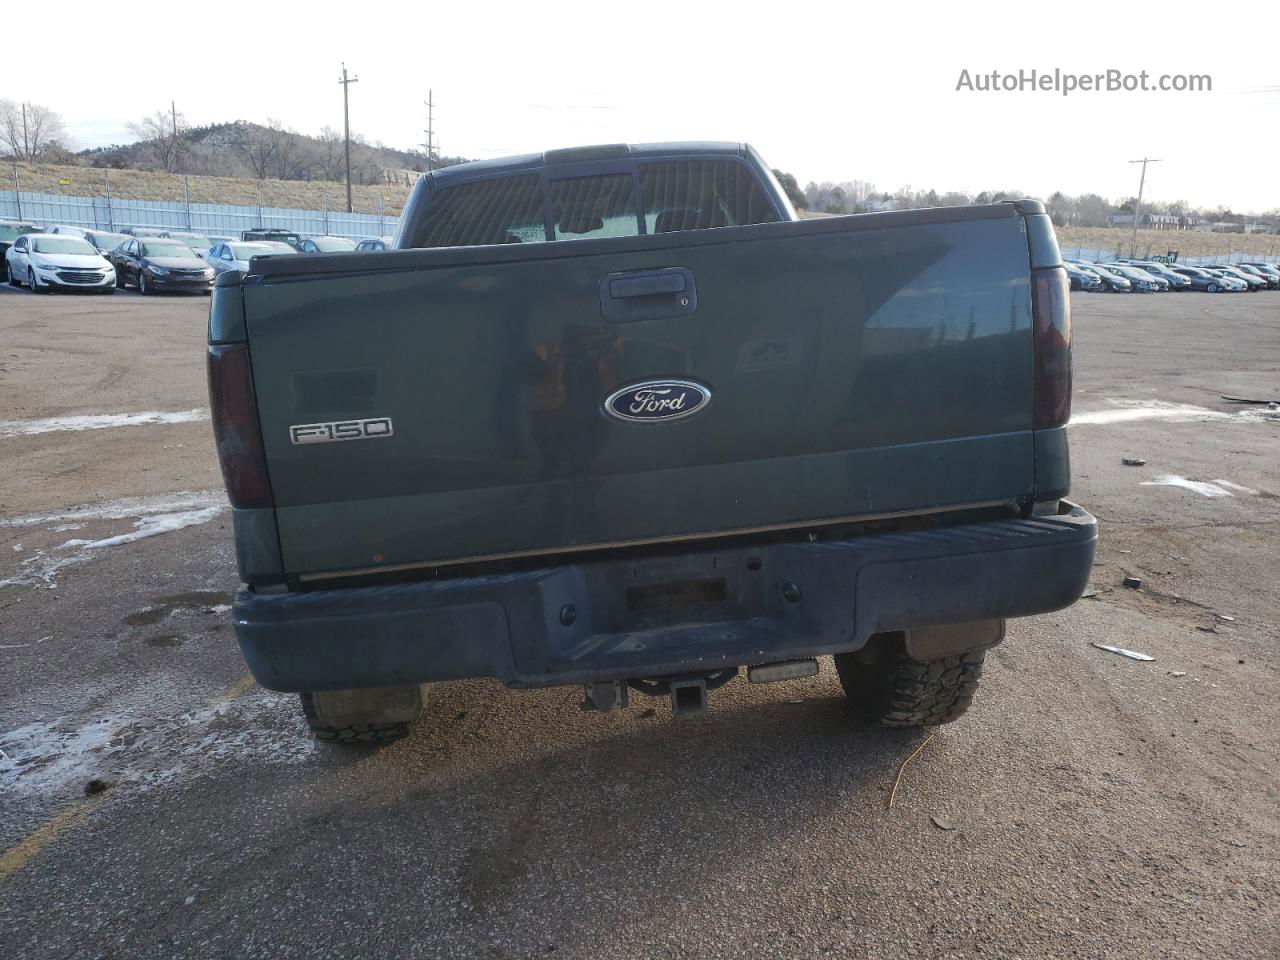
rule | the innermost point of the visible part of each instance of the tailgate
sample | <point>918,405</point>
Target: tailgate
<point>854,366</point>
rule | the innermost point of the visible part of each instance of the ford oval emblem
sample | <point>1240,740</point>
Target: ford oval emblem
<point>654,401</point>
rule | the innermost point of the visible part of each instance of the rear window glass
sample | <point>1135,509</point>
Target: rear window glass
<point>697,194</point>
<point>587,207</point>
<point>507,210</point>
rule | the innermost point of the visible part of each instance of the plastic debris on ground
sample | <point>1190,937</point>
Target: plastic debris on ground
<point>1131,654</point>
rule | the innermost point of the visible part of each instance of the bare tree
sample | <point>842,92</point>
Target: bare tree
<point>287,161</point>
<point>329,158</point>
<point>257,146</point>
<point>30,131</point>
<point>162,133</point>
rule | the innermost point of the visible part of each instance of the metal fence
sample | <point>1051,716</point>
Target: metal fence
<point>210,219</point>
<point>1105,254</point>
<point>219,219</point>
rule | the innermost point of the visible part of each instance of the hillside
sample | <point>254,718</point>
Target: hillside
<point>145,185</point>
<point>257,151</point>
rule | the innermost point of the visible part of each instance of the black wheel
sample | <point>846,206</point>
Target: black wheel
<point>886,686</point>
<point>362,716</point>
<point>143,288</point>
<point>1212,288</point>
<point>8,275</point>
<point>119,281</point>
<point>31,281</point>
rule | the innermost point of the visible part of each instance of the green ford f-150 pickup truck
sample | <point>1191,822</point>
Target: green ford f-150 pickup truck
<point>613,416</point>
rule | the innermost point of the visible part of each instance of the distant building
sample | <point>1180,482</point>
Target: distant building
<point>1152,221</point>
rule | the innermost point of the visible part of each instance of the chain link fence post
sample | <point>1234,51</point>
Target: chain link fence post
<point>17,189</point>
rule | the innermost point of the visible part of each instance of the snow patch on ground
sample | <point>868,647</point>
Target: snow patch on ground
<point>59,756</point>
<point>1195,486</point>
<point>122,509</point>
<point>1237,487</point>
<point>1127,411</point>
<point>151,526</point>
<point>152,516</point>
<point>98,421</point>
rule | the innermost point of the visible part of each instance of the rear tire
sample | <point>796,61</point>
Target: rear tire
<point>356,717</point>
<point>886,686</point>
<point>1211,288</point>
<point>8,274</point>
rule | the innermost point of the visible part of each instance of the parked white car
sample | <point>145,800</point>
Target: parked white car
<point>45,262</point>
<point>236,254</point>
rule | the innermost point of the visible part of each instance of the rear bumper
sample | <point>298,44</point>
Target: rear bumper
<point>613,619</point>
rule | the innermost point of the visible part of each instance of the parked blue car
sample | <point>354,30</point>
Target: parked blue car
<point>1111,282</point>
<point>1112,274</point>
<point>1162,270</point>
<point>1082,279</point>
<point>1142,281</point>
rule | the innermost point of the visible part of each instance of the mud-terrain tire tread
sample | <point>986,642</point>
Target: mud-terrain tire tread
<point>897,691</point>
<point>367,733</point>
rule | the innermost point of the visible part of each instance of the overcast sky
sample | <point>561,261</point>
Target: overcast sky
<point>826,92</point>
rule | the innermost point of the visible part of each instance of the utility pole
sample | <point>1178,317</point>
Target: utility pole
<point>1137,213</point>
<point>430,145</point>
<point>346,127</point>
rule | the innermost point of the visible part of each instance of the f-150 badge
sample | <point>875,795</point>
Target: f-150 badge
<point>340,430</point>
<point>654,401</point>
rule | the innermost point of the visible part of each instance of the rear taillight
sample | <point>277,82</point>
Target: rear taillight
<point>1051,316</point>
<point>235,426</point>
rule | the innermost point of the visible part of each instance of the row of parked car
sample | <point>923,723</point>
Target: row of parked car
<point>1150,276</point>
<point>66,257</point>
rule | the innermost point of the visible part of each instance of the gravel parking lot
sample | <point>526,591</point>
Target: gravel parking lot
<point>157,804</point>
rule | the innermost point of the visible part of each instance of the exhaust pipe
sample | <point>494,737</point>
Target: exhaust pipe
<point>689,697</point>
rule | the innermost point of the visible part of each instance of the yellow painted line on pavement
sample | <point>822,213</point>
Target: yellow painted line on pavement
<point>15,858</point>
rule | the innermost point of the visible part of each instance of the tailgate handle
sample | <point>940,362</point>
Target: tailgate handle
<point>646,285</point>
<point>648,294</point>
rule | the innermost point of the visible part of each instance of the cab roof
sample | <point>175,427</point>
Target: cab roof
<point>528,162</point>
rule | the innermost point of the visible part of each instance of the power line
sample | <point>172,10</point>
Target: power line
<point>1137,212</point>
<point>346,127</point>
